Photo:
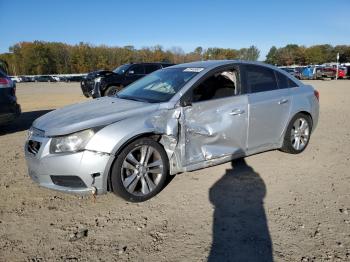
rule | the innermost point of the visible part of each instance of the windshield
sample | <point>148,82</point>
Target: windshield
<point>121,69</point>
<point>159,86</point>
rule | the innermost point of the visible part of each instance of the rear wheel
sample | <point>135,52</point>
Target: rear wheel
<point>112,90</point>
<point>140,171</point>
<point>298,134</point>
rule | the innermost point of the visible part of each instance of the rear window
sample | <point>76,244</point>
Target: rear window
<point>284,81</point>
<point>260,79</point>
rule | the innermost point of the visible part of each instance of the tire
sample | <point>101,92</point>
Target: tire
<point>112,90</point>
<point>291,137</point>
<point>131,178</point>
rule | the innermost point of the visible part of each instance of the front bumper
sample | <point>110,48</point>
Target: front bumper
<point>62,171</point>
<point>90,88</point>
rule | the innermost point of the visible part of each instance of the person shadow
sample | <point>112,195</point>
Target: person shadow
<point>240,230</point>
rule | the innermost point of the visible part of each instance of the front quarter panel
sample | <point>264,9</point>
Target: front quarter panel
<point>112,137</point>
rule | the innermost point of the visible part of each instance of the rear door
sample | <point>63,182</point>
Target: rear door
<point>149,68</point>
<point>134,73</point>
<point>269,107</point>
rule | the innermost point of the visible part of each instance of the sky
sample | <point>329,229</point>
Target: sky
<point>182,23</point>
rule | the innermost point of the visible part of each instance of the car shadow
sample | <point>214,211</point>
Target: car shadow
<point>23,122</point>
<point>240,229</point>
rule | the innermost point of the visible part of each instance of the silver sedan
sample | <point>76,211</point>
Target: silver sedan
<point>178,119</point>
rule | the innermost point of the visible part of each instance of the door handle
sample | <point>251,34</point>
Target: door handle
<point>283,101</point>
<point>236,112</point>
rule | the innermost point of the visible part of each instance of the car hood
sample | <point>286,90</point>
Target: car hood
<point>99,73</point>
<point>97,112</point>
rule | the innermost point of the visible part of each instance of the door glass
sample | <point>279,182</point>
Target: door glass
<point>219,85</point>
<point>284,81</point>
<point>151,68</point>
<point>138,70</point>
<point>260,79</point>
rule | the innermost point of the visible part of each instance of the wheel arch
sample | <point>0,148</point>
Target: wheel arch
<point>148,134</point>
<point>105,87</point>
<point>307,114</point>
<point>291,116</point>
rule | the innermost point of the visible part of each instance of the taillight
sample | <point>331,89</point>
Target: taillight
<point>4,81</point>
<point>317,94</point>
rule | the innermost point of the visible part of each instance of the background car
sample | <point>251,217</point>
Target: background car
<point>291,71</point>
<point>177,119</point>
<point>16,79</point>
<point>107,83</point>
<point>26,79</point>
<point>74,78</point>
<point>45,78</point>
<point>9,109</point>
<point>329,72</point>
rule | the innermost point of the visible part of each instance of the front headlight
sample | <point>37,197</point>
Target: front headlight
<point>71,143</point>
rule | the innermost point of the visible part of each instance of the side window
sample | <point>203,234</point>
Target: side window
<point>151,68</point>
<point>219,85</point>
<point>284,81</point>
<point>260,79</point>
<point>138,70</point>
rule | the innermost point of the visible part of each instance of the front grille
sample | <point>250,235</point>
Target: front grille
<point>88,85</point>
<point>33,146</point>
<point>68,181</point>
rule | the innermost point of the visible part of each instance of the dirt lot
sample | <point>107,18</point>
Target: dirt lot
<point>270,206</point>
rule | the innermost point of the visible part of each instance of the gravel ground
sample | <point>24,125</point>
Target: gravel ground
<point>271,206</point>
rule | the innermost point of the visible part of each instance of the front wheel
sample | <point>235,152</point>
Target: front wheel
<point>140,171</point>
<point>112,90</point>
<point>298,134</point>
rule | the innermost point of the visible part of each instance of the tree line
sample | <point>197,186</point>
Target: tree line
<point>302,55</point>
<point>39,57</point>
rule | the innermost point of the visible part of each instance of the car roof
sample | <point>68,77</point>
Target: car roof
<point>211,64</point>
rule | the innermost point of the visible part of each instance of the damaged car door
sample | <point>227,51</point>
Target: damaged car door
<point>216,117</point>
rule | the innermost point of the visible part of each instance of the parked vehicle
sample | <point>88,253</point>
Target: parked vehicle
<point>299,71</point>
<point>107,83</point>
<point>45,78</point>
<point>291,71</point>
<point>329,72</point>
<point>26,79</point>
<point>57,79</point>
<point>347,72</point>
<point>177,119</point>
<point>9,109</point>
<point>16,79</point>
<point>74,78</point>
<point>310,72</point>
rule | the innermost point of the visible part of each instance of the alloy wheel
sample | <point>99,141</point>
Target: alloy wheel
<point>300,134</point>
<point>142,170</point>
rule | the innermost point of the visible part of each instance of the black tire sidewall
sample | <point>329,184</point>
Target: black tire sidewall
<point>116,176</point>
<point>287,143</point>
<point>110,88</point>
